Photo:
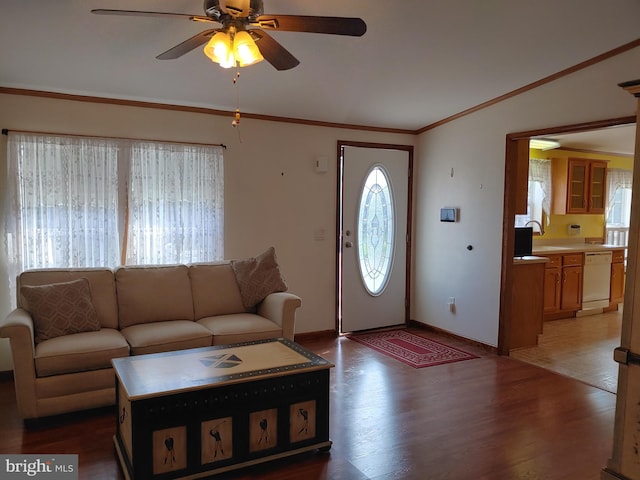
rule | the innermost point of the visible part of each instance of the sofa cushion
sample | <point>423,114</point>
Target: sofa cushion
<point>214,289</point>
<point>166,336</point>
<point>240,327</point>
<point>103,288</point>
<point>153,294</point>
<point>60,309</point>
<point>79,352</point>
<point>258,277</point>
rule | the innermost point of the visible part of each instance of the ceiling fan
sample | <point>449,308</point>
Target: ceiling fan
<point>241,39</point>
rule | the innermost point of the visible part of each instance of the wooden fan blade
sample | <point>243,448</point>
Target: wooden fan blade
<point>273,52</point>
<point>138,13</point>
<point>354,27</point>
<point>187,45</point>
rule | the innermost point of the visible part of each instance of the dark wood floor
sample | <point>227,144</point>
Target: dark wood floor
<point>486,418</point>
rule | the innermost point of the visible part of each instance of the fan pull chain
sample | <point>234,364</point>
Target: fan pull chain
<point>235,123</point>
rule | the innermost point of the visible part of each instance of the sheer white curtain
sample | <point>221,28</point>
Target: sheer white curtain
<point>73,200</point>
<point>540,171</point>
<point>618,206</point>
<point>617,178</point>
<point>62,197</point>
<point>176,203</point>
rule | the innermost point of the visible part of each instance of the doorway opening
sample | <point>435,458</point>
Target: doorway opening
<point>588,343</point>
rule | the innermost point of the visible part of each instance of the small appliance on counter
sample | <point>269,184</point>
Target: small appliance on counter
<point>573,229</point>
<point>523,242</point>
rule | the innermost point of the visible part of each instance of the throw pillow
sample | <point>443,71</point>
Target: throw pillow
<point>258,277</point>
<point>60,309</point>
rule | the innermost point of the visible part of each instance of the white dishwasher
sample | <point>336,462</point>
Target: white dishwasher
<point>596,280</point>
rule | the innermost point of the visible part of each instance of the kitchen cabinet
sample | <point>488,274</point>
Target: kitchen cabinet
<point>521,166</point>
<point>526,304</point>
<point>563,285</point>
<point>597,186</point>
<point>578,186</point>
<point>552,284</point>
<point>571,287</point>
<point>617,277</point>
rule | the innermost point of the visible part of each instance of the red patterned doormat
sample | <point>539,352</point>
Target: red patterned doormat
<point>411,349</point>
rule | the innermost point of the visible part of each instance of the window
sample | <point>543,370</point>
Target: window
<point>618,208</point>
<point>538,203</point>
<point>175,204</point>
<point>376,225</point>
<point>95,202</point>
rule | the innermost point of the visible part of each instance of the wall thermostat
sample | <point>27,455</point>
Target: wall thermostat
<point>448,214</point>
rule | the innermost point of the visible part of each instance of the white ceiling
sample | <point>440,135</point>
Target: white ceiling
<point>620,140</point>
<point>419,62</point>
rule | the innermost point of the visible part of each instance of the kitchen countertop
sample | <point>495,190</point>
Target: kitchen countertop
<point>561,248</point>
<point>538,251</point>
<point>528,259</point>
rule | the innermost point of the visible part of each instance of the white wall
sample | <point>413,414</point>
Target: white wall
<point>474,146</point>
<point>272,194</point>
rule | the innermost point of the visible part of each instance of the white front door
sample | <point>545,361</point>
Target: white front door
<point>373,261</point>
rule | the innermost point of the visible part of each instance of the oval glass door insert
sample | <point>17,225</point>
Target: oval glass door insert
<point>376,226</point>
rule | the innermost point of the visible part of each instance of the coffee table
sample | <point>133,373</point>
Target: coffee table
<point>193,413</point>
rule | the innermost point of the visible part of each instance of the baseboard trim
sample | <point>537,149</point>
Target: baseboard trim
<point>445,333</point>
<point>608,474</point>
<point>315,335</point>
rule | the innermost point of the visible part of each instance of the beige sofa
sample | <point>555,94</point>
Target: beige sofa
<point>140,310</point>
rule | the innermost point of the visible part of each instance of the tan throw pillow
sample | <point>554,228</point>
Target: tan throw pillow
<point>60,308</point>
<point>258,277</point>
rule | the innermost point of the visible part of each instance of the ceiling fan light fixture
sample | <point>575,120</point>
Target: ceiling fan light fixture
<point>230,47</point>
<point>219,50</point>
<point>245,18</point>
<point>245,49</point>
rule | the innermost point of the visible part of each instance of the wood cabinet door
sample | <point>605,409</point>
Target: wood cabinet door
<point>577,186</point>
<point>597,186</point>
<point>527,305</point>
<point>617,283</point>
<point>518,155</point>
<point>552,289</point>
<point>571,288</point>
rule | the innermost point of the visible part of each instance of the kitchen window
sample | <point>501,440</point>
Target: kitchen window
<point>538,198</point>
<point>618,211</point>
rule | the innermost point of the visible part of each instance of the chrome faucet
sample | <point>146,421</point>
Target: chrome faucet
<point>537,223</point>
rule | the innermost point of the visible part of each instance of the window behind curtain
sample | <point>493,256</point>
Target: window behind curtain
<point>618,207</point>
<point>63,201</point>
<point>176,209</point>
<point>73,201</point>
<point>539,187</point>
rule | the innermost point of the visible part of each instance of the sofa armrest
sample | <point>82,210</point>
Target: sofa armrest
<point>281,308</point>
<point>18,328</point>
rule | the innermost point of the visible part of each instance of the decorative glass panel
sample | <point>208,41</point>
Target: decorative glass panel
<point>376,225</point>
